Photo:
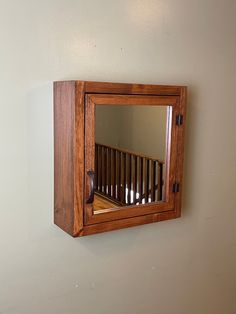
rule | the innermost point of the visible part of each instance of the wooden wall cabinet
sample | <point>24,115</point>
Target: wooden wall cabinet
<point>133,188</point>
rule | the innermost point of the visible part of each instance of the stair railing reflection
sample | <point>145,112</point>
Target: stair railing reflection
<point>126,177</point>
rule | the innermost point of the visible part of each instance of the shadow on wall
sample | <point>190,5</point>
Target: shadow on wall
<point>40,159</point>
<point>190,154</point>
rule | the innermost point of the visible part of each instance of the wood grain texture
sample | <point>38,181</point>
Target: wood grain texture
<point>69,156</point>
<point>89,153</point>
<point>70,144</point>
<point>129,222</point>
<point>101,202</point>
<point>126,88</point>
<point>132,100</point>
<point>79,159</point>
<point>64,135</point>
<point>180,150</point>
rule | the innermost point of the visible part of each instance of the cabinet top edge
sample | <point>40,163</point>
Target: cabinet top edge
<point>92,83</point>
<point>124,88</point>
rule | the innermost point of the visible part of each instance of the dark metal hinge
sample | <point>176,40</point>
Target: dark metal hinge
<point>179,119</point>
<point>175,188</point>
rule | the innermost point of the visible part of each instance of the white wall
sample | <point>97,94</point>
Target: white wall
<point>185,266</point>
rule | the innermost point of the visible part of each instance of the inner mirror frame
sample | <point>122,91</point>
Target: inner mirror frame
<point>74,143</point>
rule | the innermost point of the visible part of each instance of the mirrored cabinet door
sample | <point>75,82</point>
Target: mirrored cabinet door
<point>128,144</point>
<point>118,155</point>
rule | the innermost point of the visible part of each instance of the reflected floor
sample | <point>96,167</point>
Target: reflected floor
<point>101,202</point>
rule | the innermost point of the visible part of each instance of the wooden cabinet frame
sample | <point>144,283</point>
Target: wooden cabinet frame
<point>74,103</point>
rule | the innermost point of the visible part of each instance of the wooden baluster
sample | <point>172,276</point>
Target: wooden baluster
<point>118,176</point>
<point>153,182</point>
<point>162,183</point>
<point>135,175</point>
<point>105,170</point>
<point>124,179</point>
<point>112,171</point>
<point>140,180</point>
<point>131,181</point>
<point>95,168</point>
<point>99,168</point>
<point>102,169</point>
<point>109,171</point>
<point>159,182</point>
<point>128,178</point>
<point>146,180</point>
<point>114,175</point>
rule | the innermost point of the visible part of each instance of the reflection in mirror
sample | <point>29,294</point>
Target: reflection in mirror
<point>130,152</point>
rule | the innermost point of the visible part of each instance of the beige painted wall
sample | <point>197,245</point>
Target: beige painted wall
<point>185,266</point>
<point>108,125</point>
<point>140,129</point>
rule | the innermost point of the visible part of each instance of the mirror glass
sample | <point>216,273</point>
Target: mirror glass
<point>130,153</point>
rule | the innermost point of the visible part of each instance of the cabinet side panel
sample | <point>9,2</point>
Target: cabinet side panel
<point>79,159</point>
<point>64,108</point>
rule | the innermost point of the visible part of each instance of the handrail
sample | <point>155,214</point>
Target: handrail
<point>132,153</point>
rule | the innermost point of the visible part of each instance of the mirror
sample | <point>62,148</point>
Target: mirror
<point>130,155</point>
